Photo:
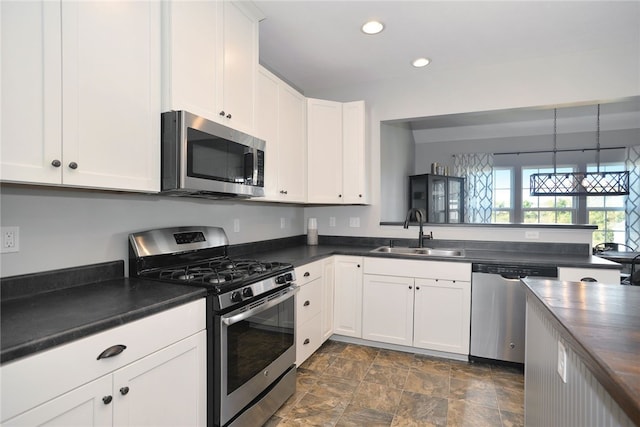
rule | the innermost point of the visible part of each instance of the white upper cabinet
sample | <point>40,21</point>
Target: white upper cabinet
<point>211,51</point>
<point>336,152</point>
<point>81,94</point>
<point>281,122</point>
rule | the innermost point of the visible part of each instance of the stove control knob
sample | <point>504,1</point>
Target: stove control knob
<point>288,277</point>
<point>280,280</point>
<point>247,293</point>
<point>235,296</point>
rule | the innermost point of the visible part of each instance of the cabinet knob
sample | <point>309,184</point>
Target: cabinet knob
<point>73,165</point>
<point>56,163</point>
<point>283,191</point>
<point>339,195</point>
<point>417,288</point>
<point>359,195</point>
<point>306,341</point>
<point>124,390</point>
<point>306,274</point>
<point>114,350</point>
<point>410,287</point>
<point>306,303</point>
<point>228,116</point>
<point>222,113</point>
<point>358,265</point>
<point>107,399</point>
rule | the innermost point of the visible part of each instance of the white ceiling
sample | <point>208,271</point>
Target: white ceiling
<point>316,44</point>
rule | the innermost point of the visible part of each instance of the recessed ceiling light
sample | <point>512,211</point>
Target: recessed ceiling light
<point>421,62</point>
<point>372,27</point>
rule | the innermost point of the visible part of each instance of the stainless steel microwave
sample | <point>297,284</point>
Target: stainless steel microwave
<point>202,158</point>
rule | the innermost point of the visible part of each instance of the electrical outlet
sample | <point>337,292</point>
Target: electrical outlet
<point>562,362</point>
<point>283,223</point>
<point>332,221</point>
<point>10,239</point>
<point>236,225</point>
<point>354,222</point>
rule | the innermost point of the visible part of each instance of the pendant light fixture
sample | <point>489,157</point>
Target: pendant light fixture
<point>579,183</point>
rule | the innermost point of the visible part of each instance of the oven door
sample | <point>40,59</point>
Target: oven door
<point>256,348</point>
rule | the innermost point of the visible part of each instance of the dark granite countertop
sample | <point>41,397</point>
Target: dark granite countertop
<point>32,321</point>
<point>299,253</point>
<point>601,323</point>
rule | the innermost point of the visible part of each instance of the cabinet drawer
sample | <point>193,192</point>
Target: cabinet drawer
<point>308,272</point>
<point>308,339</point>
<point>33,380</point>
<point>418,268</point>
<point>308,301</point>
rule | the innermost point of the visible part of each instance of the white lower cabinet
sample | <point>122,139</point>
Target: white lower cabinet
<point>600,275</point>
<point>347,317</point>
<point>157,380</point>
<point>328,292</point>
<point>309,303</point>
<point>426,304</point>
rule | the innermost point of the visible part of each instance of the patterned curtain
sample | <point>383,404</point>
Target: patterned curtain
<point>632,206</point>
<point>477,169</point>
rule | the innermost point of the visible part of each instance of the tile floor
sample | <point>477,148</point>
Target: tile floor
<point>351,385</point>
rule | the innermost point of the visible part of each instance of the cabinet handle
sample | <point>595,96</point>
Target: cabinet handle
<point>339,195</point>
<point>283,191</point>
<point>73,165</point>
<point>124,390</point>
<point>359,195</point>
<point>114,350</point>
<point>306,341</point>
<point>358,265</point>
<point>56,163</point>
<point>306,303</point>
<point>107,399</point>
<point>222,113</point>
<point>410,287</point>
<point>228,116</point>
<point>588,279</point>
<point>417,288</point>
<point>306,274</point>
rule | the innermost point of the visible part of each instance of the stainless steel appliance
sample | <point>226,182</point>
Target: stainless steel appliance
<point>201,158</point>
<point>251,368</point>
<point>498,304</point>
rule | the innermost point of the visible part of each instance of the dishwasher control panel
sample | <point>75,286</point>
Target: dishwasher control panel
<point>516,270</point>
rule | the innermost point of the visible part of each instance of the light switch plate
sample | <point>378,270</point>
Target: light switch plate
<point>332,221</point>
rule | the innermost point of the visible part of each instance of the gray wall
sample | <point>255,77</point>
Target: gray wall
<point>64,228</point>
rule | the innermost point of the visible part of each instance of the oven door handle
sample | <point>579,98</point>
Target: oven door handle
<point>252,312</point>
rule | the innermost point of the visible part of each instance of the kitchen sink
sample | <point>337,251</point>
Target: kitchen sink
<point>419,251</point>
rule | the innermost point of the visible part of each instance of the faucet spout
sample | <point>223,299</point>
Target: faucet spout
<point>420,218</point>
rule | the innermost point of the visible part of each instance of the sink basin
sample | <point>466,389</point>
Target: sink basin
<point>420,251</point>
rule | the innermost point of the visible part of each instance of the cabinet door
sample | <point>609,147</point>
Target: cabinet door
<point>111,94</point>
<point>328,285</point>
<point>354,182</point>
<point>392,296</point>
<point>84,406</point>
<point>31,119</point>
<point>266,127</point>
<point>292,133</point>
<point>442,314</point>
<point>192,63</point>
<point>166,388</point>
<point>324,142</point>
<point>348,296</point>
<point>240,64</point>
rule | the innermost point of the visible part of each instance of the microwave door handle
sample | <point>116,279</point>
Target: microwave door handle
<point>249,166</point>
<point>230,320</point>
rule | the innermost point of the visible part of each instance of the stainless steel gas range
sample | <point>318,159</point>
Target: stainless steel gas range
<point>250,318</point>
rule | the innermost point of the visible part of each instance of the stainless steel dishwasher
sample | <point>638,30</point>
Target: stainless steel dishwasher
<point>498,304</point>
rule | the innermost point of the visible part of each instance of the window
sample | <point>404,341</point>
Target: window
<point>607,212</point>
<point>546,209</point>
<point>502,210</point>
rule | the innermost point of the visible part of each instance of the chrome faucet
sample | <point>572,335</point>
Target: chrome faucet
<point>420,218</point>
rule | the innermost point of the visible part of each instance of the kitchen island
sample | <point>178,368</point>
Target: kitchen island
<point>582,362</point>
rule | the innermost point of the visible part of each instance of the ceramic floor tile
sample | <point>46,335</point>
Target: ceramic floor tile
<point>510,399</point>
<point>318,362</point>
<point>481,392</point>
<point>329,386</point>
<point>332,347</point>
<point>432,365</point>
<point>347,368</point>
<point>398,359</point>
<point>315,410</point>
<point>360,353</point>
<point>465,414</point>
<point>378,397</point>
<point>356,416</point>
<point>510,419</point>
<point>387,375</point>
<point>426,383</point>
<point>422,409</point>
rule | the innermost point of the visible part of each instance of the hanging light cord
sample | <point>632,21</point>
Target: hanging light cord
<point>598,142</point>
<point>555,138</point>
